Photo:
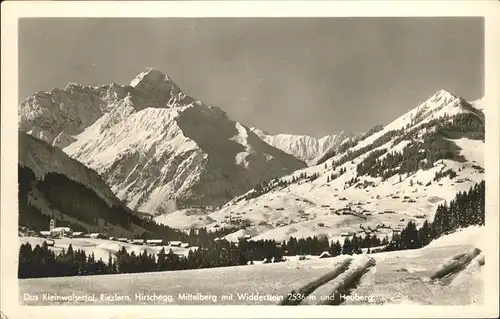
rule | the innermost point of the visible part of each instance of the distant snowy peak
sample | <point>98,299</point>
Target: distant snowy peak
<point>303,147</point>
<point>442,103</point>
<point>151,76</point>
<point>155,89</point>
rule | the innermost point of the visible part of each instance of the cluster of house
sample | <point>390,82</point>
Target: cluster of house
<point>209,207</point>
<point>153,242</point>
<point>145,216</point>
<point>59,232</point>
<point>244,237</point>
<point>24,231</point>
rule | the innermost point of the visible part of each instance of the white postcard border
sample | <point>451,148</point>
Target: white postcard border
<point>13,10</point>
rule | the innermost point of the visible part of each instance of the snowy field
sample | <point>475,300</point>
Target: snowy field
<point>395,278</point>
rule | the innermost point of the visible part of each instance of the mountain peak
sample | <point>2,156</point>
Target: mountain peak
<point>443,95</point>
<point>150,76</point>
<point>70,86</point>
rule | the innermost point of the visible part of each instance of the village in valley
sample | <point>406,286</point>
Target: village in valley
<point>54,233</point>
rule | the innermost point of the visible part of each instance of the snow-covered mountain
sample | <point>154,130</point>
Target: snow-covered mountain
<point>303,147</point>
<point>157,148</point>
<point>373,184</point>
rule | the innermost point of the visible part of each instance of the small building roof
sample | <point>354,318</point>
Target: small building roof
<point>325,254</point>
<point>57,229</point>
<point>95,234</point>
<point>154,241</point>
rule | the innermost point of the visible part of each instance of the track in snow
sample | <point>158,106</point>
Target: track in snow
<point>336,286</point>
<point>340,281</point>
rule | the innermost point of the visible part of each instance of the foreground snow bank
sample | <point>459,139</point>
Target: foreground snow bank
<point>296,297</point>
<point>334,293</point>
<point>457,263</point>
<point>470,236</point>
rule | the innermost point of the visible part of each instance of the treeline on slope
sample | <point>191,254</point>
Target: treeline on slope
<point>423,153</point>
<point>467,209</point>
<point>29,215</point>
<point>81,203</point>
<point>350,143</point>
<point>351,155</point>
<point>277,183</point>
<point>267,186</point>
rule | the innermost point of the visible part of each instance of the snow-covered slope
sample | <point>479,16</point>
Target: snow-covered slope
<point>398,277</point>
<point>303,147</point>
<point>157,148</point>
<point>394,174</point>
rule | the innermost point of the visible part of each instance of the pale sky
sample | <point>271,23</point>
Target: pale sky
<point>313,76</point>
